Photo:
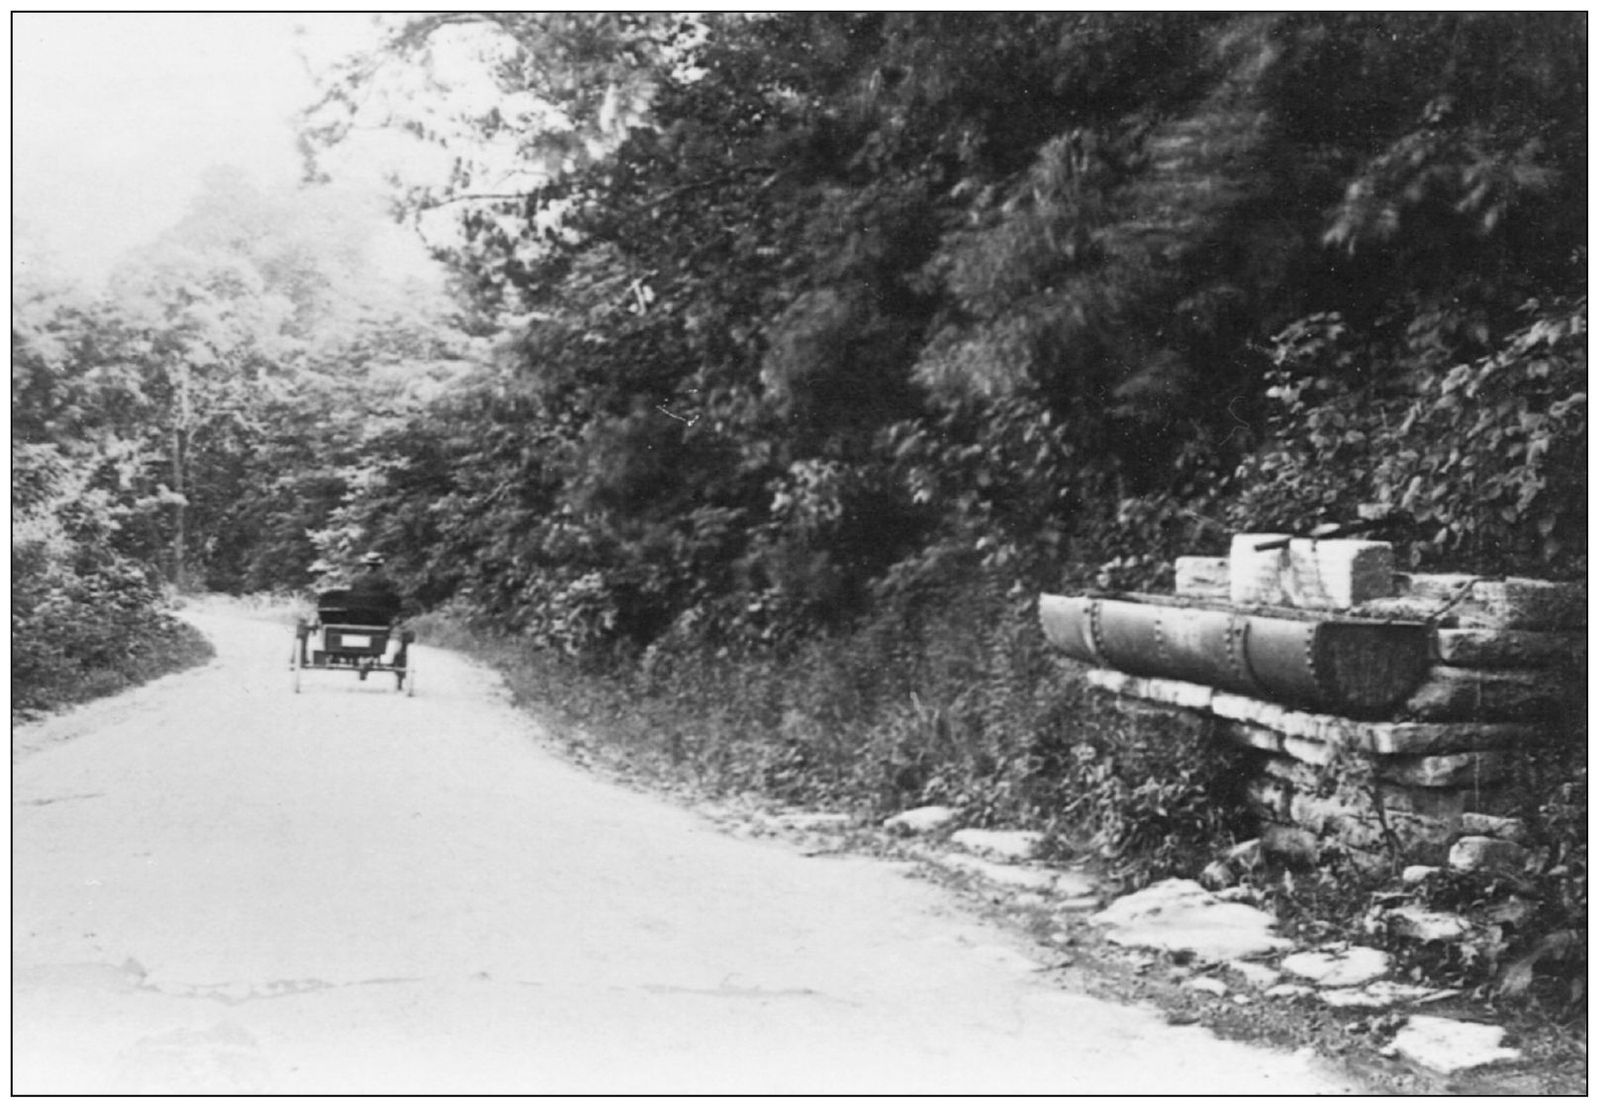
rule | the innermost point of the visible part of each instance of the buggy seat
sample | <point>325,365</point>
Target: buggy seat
<point>343,607</point>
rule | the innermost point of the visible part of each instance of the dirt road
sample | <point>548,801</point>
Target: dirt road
<point>221,887</point>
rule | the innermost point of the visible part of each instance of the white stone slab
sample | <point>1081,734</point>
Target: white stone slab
<point>1180,916</point>
<point>924,819</point>
<point>1347,968</point>
<point>1256,975</point>
<point>999,844</point>
<point>1421,924</point>
<point>1005,875</point>
<point>1374,996</point>
<point>1448,1046</point>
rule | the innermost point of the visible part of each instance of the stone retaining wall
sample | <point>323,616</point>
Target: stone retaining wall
<point>1436,783</point>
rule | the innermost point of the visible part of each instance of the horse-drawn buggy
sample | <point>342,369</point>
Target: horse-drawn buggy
<point>354,632</point>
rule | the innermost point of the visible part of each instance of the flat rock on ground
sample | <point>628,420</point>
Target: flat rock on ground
<point>1448,1046</point>
<point>999,844</point>
<point>1376,995</point>
<point>1344,968</point>
<point>1180,916</point>
<point>924,819</point>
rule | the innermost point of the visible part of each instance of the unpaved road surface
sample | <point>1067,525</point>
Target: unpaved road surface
<point>223,887</point>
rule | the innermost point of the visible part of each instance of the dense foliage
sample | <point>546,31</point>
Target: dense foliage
<point>198,424</point>
<point>842,298</point>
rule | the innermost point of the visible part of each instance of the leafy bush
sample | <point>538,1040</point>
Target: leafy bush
<point>952,700</point>
<point>1485,460</point>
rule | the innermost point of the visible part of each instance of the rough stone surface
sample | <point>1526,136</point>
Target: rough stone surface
<point>1242,708</point>
<point>1408,608</point>
<point>1005,875</point>
<point>1448,1046</point>
<point>1180,693</point>
<point>1290,841</point>
<point>1347,968</point>
<point>1339,573</point>
<point>1519,604</point>
<point>1512,648</point>
<point>1267,798</point>
<point>1179,915</point>
<point>1203,577</point>
<point>1472,853</point>
<point>1289,990</point>
<point>1251,737</point>
<point>1421,924</point>
<point>1318,753</point>
<point>1484,695</point>
<point>1440,587</point>
<point>1489,825</point>
<point>1209,985</point>
<point>1000,844</point>
<point>1255,575</point>
<point>1256,974</point>
<point>1422,738</point>
<point>1448,770</point>
<point>1351,820</point>
<point>1295,772</point>
<point>1445,804</point>
<point>1262,725</point>
<point>1374,996</point>
<point>1416,873</point>
<point>924,819</point>
<point>1112,679</point>
<point>1309,574</point>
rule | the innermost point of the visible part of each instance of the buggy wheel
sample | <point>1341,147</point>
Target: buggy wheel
<point>408,680</point>
<point>296,665</point>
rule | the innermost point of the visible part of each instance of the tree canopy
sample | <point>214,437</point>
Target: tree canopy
<point>759,320</point>
<point>803,305</point>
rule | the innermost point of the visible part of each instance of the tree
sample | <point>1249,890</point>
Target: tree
<point>845,294</point>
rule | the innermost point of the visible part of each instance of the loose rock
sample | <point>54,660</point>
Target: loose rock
<point>1490,825</point>
<point>1421,924</point>
<point>1472,853</point>
<point>1289,990</point>
<point>924,819</point>
<point>1374,996</point>
<point>1006,875</point>
<point>1348,968</point>
<point>1256,975</point>
<point>1179,915</point>
<point>1448,1046</point>
<point>1001,844</point>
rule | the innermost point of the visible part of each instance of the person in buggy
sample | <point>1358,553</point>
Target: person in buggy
<point>372,587</point>
<point>357,627</point>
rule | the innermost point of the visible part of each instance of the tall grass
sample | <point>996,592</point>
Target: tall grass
<point>955,700</point>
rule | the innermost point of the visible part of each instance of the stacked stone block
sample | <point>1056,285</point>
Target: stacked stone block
<point>1435,781</point>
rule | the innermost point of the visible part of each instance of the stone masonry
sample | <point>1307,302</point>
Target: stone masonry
<point>1436,781</point>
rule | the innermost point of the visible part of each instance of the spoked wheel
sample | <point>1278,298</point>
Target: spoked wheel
<point>408,680</point>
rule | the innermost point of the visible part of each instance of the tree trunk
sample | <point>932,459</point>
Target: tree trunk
<point>179,508</point>
<point>181,443</point>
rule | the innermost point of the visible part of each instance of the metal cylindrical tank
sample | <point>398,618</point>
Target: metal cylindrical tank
<point>1353,666</point>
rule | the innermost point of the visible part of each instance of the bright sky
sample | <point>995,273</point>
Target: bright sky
<point>115,116</point>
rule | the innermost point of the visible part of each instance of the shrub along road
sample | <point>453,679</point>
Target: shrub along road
<point>221,886</point>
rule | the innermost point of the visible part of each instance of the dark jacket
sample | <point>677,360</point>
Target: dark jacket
<point>374,587</point>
